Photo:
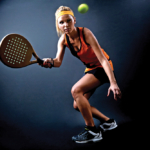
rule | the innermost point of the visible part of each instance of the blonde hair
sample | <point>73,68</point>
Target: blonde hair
<point>60,9</point>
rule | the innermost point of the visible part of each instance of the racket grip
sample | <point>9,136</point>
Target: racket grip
<point>40,61</point>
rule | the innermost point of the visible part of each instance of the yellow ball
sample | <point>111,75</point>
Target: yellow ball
<point>83,8</point>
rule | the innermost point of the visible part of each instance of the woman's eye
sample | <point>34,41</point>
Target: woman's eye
<point>68,20</point>
<point>61,22</point>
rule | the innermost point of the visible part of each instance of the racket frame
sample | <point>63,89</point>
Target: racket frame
<point>13,44</point>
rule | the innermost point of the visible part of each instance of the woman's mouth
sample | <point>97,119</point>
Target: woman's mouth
<point>66,30</point>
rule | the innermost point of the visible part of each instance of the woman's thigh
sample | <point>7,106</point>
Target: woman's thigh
<point>90,82</point>
<point>87,84</point>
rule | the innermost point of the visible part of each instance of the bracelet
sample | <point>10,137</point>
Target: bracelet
<point>52,63</point>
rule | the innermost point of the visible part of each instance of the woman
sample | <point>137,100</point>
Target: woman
<point>99,70</point>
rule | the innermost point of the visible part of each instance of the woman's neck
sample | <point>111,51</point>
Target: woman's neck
<point>74,34</point>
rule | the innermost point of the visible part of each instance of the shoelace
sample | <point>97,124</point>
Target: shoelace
<point>83,131</point>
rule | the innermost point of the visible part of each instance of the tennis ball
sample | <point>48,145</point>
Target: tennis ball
<point>83,8</point>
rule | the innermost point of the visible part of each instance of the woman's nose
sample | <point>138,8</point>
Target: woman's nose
<point>65,24</point>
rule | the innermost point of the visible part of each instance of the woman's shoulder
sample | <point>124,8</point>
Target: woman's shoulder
<point>87,31</point>
<point>88,35</point>
<point>62,39</point>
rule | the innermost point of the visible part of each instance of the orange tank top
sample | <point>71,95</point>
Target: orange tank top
<point>86,53</point>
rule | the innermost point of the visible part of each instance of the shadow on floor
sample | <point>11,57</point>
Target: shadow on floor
<point>127,135</point>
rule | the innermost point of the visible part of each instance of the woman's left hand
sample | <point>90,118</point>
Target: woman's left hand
<point>115,89</point>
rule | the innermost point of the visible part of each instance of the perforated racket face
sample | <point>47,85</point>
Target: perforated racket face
<point>15,51</point>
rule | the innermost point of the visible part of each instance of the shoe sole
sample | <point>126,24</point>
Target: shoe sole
<point>91,140</point>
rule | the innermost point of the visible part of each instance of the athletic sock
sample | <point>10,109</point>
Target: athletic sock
<point>110,120</point>
<point>94,129</point>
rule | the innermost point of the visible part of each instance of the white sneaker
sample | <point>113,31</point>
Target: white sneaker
<point>108,125</point>
<point>87,136</point>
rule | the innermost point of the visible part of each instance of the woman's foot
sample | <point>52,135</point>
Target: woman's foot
<point>108,125</point>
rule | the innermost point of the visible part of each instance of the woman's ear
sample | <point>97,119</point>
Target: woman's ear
<point>74,20</point>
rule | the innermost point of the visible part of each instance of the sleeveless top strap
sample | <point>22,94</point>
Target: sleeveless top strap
<point>66,43</point>
<point>83,37</point>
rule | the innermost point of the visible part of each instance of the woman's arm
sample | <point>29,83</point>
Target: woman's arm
<point>60,51</point>
<point>57,61</point>
<point>90,39</point>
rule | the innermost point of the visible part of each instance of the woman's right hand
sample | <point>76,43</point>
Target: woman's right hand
<point>48,63</point>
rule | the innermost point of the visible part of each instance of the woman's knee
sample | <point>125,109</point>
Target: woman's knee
<point>75,91</point>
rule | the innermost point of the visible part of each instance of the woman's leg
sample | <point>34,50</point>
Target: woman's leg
<point>85,85</point>
<point>95,112</point>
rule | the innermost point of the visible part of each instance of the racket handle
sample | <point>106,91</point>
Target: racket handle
<point>40,61</point>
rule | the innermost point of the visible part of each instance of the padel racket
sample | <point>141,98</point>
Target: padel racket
<point>16,51</point>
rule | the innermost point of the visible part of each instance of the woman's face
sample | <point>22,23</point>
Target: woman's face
<point>66,23</point>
